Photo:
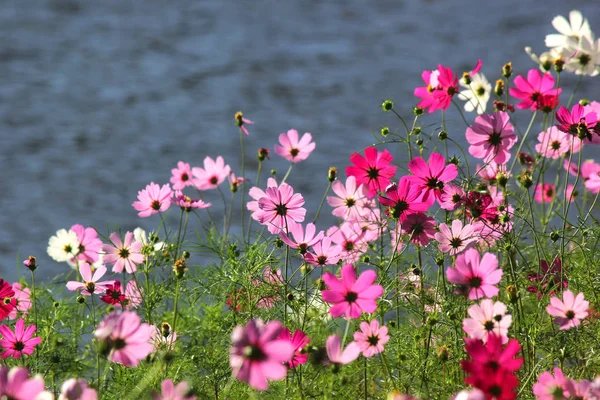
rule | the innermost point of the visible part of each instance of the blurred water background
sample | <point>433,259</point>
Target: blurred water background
<point>99,98</point>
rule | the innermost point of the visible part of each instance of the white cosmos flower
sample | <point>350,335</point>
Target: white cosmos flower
<point>476,94</point>
<point>63,246</point>
<point>570,32</point>
<point>140,235</point>
<point>582,58</point>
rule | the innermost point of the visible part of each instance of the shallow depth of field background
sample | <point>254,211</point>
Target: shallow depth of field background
<point>98,98</point>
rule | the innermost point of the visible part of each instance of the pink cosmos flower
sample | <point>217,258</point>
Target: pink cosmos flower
<point>256,194</point>
<point>153,199</point>
<point>187,203</point>
<point>335,355</point>
<point>240,121</point>
<point>15,384</point>
<point>22,299</point>
<point>403,199</point>
<point>456,240</point>
<point>587,170</point>
<point>77,389</point>
<point>452,197</point>
<point>550,387</point>
<point>491,137</point>
<point>593,184</point>
<point>420,227</point>
<point>257,354</point>
<point>544,193</point>
<point>487,317</point>
<point>577,122</point>
<point>349,295</point>
<point>299,340</point>
<point>350,199</point>
<point>373,170</point>
<point>279,206</point>
<point>371,338</point>
<point>90,282</point>
<point>89,243</point>
<point>570,311</point>
<point>324,253</point>
<point>123,254</point>
<point>553,143</point>
<point>6,306</point>
<point>20,341</point>
<point>478,278</point>
<point>532,89</point>
<point>126,337</point>
<point>212,175</point>
<point>292,149</point>
<point>441,85</point>
<point>302,239</point>
<point>171,392</point>
<point>431,176</point>
<point>182,176</point>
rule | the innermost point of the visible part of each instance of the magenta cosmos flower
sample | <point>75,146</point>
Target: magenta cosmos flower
<point>212,175</point>
<point>302,239</point>
<point>170,391</point>
<point>299,340</point>
<point>15,384</point>
<point>544,193</point>
<point>441,86</point>
<point>126,337</point>
<point>123,254</point>
<point>279,206</point>
<point>349,295</point>
<point>430,177</point>
<point>336,356</point>
<point>420,227</point>
<point>374,170</point>
<point>19,342</point>
<point>181,176</point>
<point>371,338</point>
<point>533,89</point>
<point>403,199</point>
<point>7,301</point>
<point>570,311</point>
<point>487,317</point>
<point>577,122</point>
<point>90,282</point>
<point>457,239</point>
<point>257,354</point>
<point>292,149</point>
<point>477,278</point>
<point>350,201</point>
<point>89,243</point>
<point>22,299</point>
<point>153,199</point>
<point>491,137</point>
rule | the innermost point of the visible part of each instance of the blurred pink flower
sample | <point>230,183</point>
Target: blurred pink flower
<point>15,384</point>
<point>77,389</point>
<point>551,387</point>
<point>171,392</point>
<point>292,149</point>
<point>22,299</point>
<point>544,193</point>
<point>337,356</point>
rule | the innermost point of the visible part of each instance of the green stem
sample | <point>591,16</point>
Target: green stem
<point>322,201</point>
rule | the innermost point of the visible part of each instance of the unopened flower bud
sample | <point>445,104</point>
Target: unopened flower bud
<point>432,320</point>
<point>453,160</point>
<point>332,174</point>
<point>443,353</point>
<point>186,255</point>
<point>416,131</point>
<point>419,142</point>
<point>526,180</point>
<point>179,268</point>
<point>507,70</point>
<point>512,293</point>
<point>320,284</point>
<point>554,236</point>
<point>30,263</point>
<point>439,260</point>
<point>387,105</point>
<point>366,259</point>
<point>559,65</point>
<point>385,131</point>
<point>290,297</point>
<point>443,135</point>
<point>263,153</point>
<point>239,118</point>
<point>499,88</point>
<point>306,268</point>
<point>56,304</point>
<point>418,111</point>
<point>81,299</point>
<point>273,172</point>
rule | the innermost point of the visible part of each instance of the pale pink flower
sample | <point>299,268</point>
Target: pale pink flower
<point>188,204</point>
<point>569,311</point>
<point>491,137</point>
<point>544,193</point>
<point>257,354</point>
<point>476,277</point>
<point>256,194</point>
<point>371,338</point>
<point>212,175</point>
<point>292,149</point>
<point>457,239</point>
<point>350,296</point>
<point>581,389</point>
<point>553,143</point>
<point>15,384</point>
<point>126,336</point>
<point>90,284</point>
<point>181,176</point>
<point>123,254</point>
<point>336,356</point>
<point>324,253</point>
<point>350,239</point>
<point>153,199</point>
<point>420,227</point>
<point>279,206</point>
<point>593,184</point>
<point>350,199</point>
<point>89,243</point>
<point>22,298</point>
<point>549,387</point>
<point>303,239</point>
<point>77,389</point>
<point>171,392</point>
<point>487,317</point>
<point>133,295</point>
<point>19,342</point>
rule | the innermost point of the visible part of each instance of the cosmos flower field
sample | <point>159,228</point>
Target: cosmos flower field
<point>451,276</point>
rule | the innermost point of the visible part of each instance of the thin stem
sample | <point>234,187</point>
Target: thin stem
<point>243,176</point>
<point>322,201</point>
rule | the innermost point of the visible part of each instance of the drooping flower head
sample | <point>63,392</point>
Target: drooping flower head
<point>188,204</point>
<point>257,355</point>
<point>350,296</point>
<point>212,175</point>
<point>374,170</point>
<point>240,121</point>
<point>299,340</point>
<point>491,137</point>
<point>569,311</point>
<point>431,176</point>
<point>476,277</point>
<point>19,342</point>
<point>371,338</point>
<point>292,149</point>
